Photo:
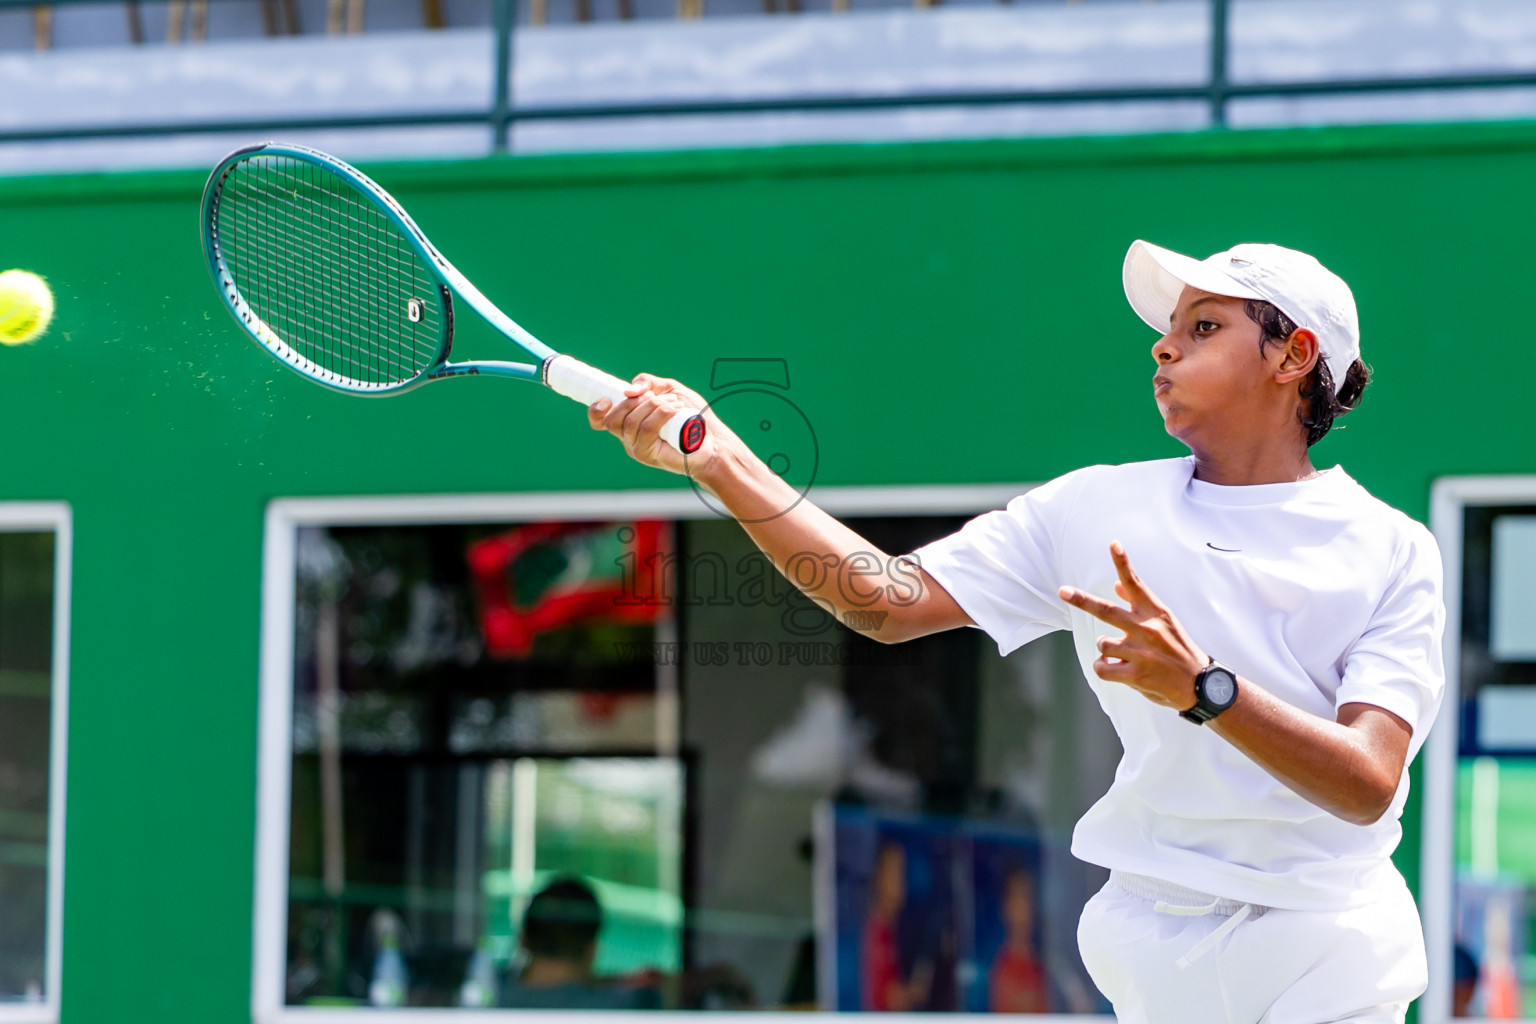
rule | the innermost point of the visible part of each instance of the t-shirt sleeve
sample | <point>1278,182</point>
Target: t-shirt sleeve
<point>1004,568</point>
<point>1397,664</point>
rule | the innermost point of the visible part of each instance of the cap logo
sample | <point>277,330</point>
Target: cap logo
<point>1238,261</point>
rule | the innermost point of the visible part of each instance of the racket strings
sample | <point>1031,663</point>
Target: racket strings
<point>269,262</point>
<point>361,349</point>
<point>344,347</point>
<point>369,356</point>
<point>367,348</point>
<point>329,273</point>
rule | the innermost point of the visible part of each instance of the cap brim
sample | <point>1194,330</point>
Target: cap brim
<point>1154,278</point>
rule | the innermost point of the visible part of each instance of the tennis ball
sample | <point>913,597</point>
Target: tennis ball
<point>26,306</point>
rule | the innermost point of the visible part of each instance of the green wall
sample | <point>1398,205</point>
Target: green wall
<point>950,313</point>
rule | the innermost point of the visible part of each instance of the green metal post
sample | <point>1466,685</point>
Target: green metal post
<point>501,112</point>
<point>1218,85</point>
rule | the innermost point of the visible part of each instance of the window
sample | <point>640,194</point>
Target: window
<point>1479,857</point>
<point>496,727</point>
<point>34,649</point>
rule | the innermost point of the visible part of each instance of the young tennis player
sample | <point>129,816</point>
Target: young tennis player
<point>1271,665</point>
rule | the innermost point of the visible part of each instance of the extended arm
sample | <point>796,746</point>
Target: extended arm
<point>829,563</point>
<point>1350,767</point>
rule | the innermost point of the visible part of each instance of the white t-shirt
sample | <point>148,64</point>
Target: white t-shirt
<point>1316,591</point>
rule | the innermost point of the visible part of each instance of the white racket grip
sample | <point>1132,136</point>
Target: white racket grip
<point>574,379</point>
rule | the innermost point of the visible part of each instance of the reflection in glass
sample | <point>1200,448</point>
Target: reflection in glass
<point>1495,890</point>
<point>26,666</point>
<point>436,781</point>
<point>626,765</point>
<point>1512,605</point>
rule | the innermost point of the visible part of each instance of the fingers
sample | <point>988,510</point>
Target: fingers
<point>1114,662</point>
<point>640,400</point>
<point>638,422</point>
<point>599,413</point>
<point>650,419</point>
<point>1134,590</point>
<point>625,417</point>
<point>645,383</point>
<point>1104,611</point>
<point>1114,671</point>
<point>639,416</point>
<point>1129,588</point>
<point>1119,648</point>
<point>666,386</point>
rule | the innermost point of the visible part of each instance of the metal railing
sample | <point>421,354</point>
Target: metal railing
<point>1216,92</point>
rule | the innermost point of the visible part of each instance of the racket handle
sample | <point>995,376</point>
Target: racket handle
<point>574,379</point>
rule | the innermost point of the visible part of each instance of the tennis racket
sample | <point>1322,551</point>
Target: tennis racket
<point>330,275</point>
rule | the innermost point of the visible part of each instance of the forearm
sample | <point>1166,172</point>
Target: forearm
<point>1349,771</point>
<point>886,598</point>
<point>864,587</point>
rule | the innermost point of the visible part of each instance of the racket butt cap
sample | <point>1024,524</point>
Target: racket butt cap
<point>691,437</point>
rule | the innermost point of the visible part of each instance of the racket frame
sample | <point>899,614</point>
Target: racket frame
<point>564,374</point>
<point>449,282</point>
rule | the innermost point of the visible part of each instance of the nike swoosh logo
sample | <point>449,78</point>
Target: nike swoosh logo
<point>1230,551</point>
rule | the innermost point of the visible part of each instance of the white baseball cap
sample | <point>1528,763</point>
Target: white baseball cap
<point>1302,288</point>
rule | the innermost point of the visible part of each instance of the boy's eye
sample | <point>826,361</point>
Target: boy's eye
<point>1205,326</point>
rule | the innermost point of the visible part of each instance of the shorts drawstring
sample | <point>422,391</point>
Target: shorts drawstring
<point>1204,945</point>
<point>1154,888</point>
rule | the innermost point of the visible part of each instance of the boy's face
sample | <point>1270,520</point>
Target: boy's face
<point>1212,383</point>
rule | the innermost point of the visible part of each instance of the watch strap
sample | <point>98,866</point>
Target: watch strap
<point>1199,714</point>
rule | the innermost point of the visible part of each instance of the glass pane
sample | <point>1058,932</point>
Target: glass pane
<point>475,716</point>
<point>880,827</point>
<point>1495,889</point>
<point>628,766</point>
<point>26,664</point>
<point>1513,614</point>
<point>616,823</point>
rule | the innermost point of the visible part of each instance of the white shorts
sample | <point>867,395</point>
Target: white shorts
<point>1163,954</point>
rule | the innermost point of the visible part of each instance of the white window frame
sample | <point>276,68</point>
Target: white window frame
<point>1437,851</point>
<point>284,518</point>
<point>51,517</point>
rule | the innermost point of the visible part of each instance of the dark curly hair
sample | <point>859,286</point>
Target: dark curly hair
<point>1321,402</point>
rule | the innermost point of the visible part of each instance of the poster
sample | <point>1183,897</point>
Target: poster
<point>938,914</point>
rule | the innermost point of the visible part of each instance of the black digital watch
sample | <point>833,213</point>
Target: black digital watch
<point>1215,691</point>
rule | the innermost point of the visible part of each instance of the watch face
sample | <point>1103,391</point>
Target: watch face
<point>1220,687</point>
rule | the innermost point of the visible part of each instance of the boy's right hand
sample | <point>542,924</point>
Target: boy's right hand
<point>637,421</point>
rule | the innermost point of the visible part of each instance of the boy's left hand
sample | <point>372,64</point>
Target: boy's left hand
<point>1155,656</point>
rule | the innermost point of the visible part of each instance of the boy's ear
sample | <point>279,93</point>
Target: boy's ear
<point>1299,356</point>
